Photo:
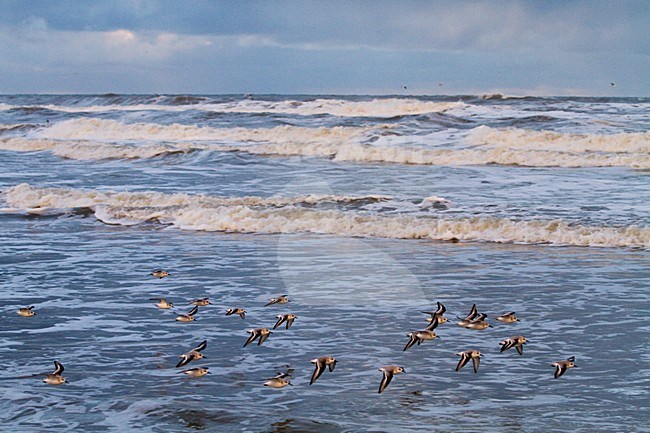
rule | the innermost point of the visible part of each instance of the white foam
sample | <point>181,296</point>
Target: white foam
<point>25,196</point>
<point>281,215</point>
<point>90,139</point>
<point>111,130</point>
<point>434,199</point>
<point>378,107</point>
<point>451,157</point>
<point>513,138</point>
<point>350,152</point>
<point>94,150</point>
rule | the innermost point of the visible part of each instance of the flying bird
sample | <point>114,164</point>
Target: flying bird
<point>55,377</point>
<point>187,317</point>
<point>279,300</point>
<point>508,317</point>
<point>517,342</point>
<point>282,318</point>
<point>196,372</point>
<point>193,354</point>
<point>562,366</point>
<point>261,333</point>
<point>240,311</point>
<point>201,302</point>
<point>465,356</point>
<point>162,303</point>
<point>26,311</point>
<point>321,363</point>
<point>160,273</point>
<point>389,371</point>
<point>278,381</point>
<point>423,335</point>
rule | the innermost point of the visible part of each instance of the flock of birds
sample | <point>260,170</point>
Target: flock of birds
<point>473,320</point>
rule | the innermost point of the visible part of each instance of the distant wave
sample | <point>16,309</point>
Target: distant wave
<point>95,150</point>
<point>494,97</point>
<point>111,130</point>
<point>452,157</point>
<point>93,139</point>
<point>378,107</point>
<point>284,215</point>
<point>20,127</point>
<point>25,196</point>
<point>513,138</point>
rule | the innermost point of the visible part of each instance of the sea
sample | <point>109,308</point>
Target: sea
<point>365,211</point>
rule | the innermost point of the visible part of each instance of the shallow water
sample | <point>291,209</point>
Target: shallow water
<point>82,259</point>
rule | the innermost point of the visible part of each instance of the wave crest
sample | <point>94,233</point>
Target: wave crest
<point>378,107</point>
<point>625,142</point>
<point>90,139</point>
<point>285,215</point>
<point>111,130</point>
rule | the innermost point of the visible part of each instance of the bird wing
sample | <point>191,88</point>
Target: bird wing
<point>476,361</point>
<point>506,344</point>
<point>185,359</point>
<point>463,360</point>
<point>263,338</point>
<point>320,367</point>
<point>480,317</point>
<point>434,323</point>
<point>58,368</point>
<point>253,336</point>
<point>412,340</point>
<point>280,321</point>
<point>385,380</point>
<point>201,346</point>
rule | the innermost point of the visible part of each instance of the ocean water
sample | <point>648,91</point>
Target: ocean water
<point>365,211</point>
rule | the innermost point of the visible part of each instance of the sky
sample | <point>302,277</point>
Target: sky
<point>539,48</point>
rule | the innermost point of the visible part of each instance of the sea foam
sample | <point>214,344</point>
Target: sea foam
<point>91,139</point>
<point>277,215</point>
<point>513,138</point>
<point>378,107</point>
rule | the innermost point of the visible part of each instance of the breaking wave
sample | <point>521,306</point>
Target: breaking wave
<point>452,157</point>
<point>343,152</point>
<point>93,150</point>
<point>627,142</point>
<point>378,107</point>
<point>111,130</point>
<point>93,139</point>
<point>277,215</point>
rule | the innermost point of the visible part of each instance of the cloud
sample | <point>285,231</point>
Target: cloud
<point>381,24</point>
<point>35,43</point>
<point>294,46</point>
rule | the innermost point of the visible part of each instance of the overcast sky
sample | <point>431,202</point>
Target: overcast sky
<point>541,47</point>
